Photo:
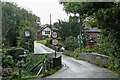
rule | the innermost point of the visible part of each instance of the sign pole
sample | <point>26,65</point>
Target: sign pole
<point>54,40</point>
<point>55,51</point>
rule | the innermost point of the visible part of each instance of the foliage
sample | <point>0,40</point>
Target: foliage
<point>106,17</point>
<point>51,71</point>
<point>42,42</point>
<point>108,46</point>
<point>48,41</point>
<point>14,19</point>
<point>15,52</point>
<point>7,61</point>
<point>66,29</point>
<point>10,57</point>
<point>71,43</point>
<point>67,54</point>
<point>74,55</point>
<point>84,50</point>
<point>31,61</point>
<point>72,27</point>
<point>27,42</point>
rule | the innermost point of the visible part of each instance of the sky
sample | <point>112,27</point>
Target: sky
<point>43,9</point>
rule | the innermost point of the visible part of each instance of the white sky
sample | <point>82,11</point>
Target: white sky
<point>43,9</point>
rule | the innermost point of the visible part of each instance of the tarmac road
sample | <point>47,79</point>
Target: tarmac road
<point>81,69</point>
<point>75,68</point>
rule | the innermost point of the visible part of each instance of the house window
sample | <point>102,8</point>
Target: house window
<point>47,32</point>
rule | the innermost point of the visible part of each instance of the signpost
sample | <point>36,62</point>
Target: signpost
<point>27,35</point>
<point>54,34</point>
<point>80,41</point>
<point>54,40</point>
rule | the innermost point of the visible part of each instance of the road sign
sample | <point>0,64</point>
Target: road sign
<point>79,36</point>
<point>27,33</point>
<point>54,34</point>
<point>54,42</point>
<point>80,39</point>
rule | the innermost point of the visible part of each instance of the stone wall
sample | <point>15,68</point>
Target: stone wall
<point>92,57</point>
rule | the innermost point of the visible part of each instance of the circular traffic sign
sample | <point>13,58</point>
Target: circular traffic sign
<point>54,34</point>
<point>54,42</point>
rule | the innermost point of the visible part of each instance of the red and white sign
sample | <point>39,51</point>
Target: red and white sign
<point>54,42</point>
<point>54,34</point>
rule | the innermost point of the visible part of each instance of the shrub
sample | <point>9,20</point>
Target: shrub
<point>31,61</point>
<point>84,50</point>
<point>48,40</point>
<point>15,52</point>
<point>25,42</point>
<point>7,61</point>
<point>71,43</point>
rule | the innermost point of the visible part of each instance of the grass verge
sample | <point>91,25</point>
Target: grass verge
<point>42,42</point>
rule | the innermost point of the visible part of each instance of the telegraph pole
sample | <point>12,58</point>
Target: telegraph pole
<point>50,22</point>
<point>80,21</point>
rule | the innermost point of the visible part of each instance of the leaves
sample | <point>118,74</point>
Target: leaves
<point>14,19</point>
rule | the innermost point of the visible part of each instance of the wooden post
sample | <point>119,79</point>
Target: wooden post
<point>20,73</point>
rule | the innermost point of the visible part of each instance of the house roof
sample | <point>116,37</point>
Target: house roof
<point>94,30</point>
<point>45,26</point>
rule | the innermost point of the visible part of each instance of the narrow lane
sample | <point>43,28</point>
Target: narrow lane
<point>81,69</point>
<point>74,68</point>
<point>42,49</point>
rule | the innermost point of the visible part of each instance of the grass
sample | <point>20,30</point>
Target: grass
<point>47,73</point>
<point>0,77</point>
<point>69,54</point>
<point>51,71</point>
<point>31,77</point>
<point>42,42</point>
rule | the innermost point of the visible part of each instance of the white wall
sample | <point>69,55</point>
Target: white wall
<point>46,29</point>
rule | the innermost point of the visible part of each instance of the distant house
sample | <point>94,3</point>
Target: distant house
<point>93,33</point>
<point>45,30</point>
<point>93,36</point>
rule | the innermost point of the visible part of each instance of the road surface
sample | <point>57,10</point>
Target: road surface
<point>74,68</point>
<point>81,69</point>
<point>41,49</point>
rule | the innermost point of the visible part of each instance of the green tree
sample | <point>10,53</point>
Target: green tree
<point>106,17</point>
<point>24,42</point>
<point>14,19</point>
<point>66,29</point>
<point>71,43</point>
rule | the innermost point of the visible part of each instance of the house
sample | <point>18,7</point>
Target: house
<point>45,30</point>
<point>94,33</point>
<point>93,37</point>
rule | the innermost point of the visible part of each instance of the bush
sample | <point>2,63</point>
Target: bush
<point>31,61</point>
<point>7,61</point>
<point>15,52</point>
<point>109,47</point>
<point>26,42</point>
<point>48,40</point>
<point>71,43</point>
<point>84,50</point>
